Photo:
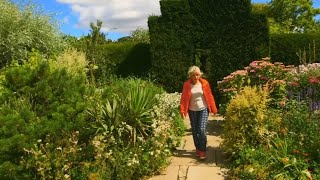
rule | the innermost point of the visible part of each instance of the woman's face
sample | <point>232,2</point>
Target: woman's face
<point>195,76</point>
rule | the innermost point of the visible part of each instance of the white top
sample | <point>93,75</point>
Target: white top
<point>197,101</point>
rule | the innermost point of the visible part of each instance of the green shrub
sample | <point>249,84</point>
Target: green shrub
<point>291,149</point>
<point>73,61</point>
<point>136,122</point>
<point>38,101</point>
<point>23,28</point>
<point>245,118</point>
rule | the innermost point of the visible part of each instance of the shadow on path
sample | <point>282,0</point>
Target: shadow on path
<point>215,155</point>
<point>214,128</point>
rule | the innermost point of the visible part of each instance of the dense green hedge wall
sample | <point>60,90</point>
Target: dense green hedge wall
<point>224,34</point>
<point>123,59</point>
<point>287,47</point>
<point>171,44</point>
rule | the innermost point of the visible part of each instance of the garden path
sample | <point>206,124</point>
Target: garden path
<point>186,166</point>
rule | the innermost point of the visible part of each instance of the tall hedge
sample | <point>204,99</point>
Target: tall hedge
<point>122,59</point>
<point>223,35</point>
<point>171,44</point>
<point>288,47</point>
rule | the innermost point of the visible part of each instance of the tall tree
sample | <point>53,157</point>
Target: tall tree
<point>138,35</point>
<point>95,38</point>
<point>286,16</point>
<point>23,27</point>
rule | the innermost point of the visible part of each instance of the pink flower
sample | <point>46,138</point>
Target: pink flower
<point>295,84</point>
<point>264,78</point>
<point>313,80</point>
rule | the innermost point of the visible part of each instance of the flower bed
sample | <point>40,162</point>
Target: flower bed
<point>270,132</point>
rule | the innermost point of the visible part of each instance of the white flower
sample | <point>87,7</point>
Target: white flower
<point>251,170</point>
<point>65,167</point>
<point>67,176</point>
<point>40,169</point>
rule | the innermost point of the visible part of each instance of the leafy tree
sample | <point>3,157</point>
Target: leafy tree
<point>139,35</point>
<point>24,28</point>
<point>71,41</point>
<point>92,45</point>
<point>292,16</point>
<point>125,39</point>
<point>261,8</point>
<point>96,36</point>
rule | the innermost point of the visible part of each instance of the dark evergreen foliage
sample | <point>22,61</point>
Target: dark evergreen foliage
<point>219,36</point>
<point>38,102</point>
<point>288,47</point>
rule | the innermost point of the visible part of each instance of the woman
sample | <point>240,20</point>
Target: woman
<point>197,101</point>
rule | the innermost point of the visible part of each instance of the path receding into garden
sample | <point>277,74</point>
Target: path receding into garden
<point>186,166</point>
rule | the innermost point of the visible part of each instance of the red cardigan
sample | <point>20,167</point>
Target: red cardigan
<point>186,96</point>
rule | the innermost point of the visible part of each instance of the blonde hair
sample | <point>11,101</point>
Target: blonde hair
<point>193,69</point>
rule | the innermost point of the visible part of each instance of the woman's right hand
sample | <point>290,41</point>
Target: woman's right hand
<point>184,116</point>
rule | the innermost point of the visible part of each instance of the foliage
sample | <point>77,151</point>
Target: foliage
<point>132,110</point>
<point>48,129</point>
<point>139,35</point>
<point>73,61</point>
<point>93,53</point>
<point>295,48</point>
<point>290,153</point>
<point>304,84</point>
<point>38,100</point>
<point>24,28</point>
<point>54,159</point>
<point>287,16</point>
<point>260,8</point>
<point>188,30</point>
<point>136,123</point>
<point>245,119</point>
<point>262,73</point>
<point>125,58</point>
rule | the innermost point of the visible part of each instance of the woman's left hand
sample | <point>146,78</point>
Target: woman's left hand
<point>212,114</point>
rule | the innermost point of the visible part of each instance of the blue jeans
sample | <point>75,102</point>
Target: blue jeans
<point>199,121</point>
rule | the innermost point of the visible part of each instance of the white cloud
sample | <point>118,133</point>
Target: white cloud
<point>122,16</point>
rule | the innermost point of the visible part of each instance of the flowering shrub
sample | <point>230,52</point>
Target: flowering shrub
<point>125,130</point>
<point>258,73</point>
<point>166,114</point>
<point>292,152</point>
<point>285,144</point>
<point>51,162</point>
<point>304,82</point>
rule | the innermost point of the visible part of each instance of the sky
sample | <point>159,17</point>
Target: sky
<point>119,17</point>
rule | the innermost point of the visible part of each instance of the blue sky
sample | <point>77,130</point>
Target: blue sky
<point>120,17</point>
